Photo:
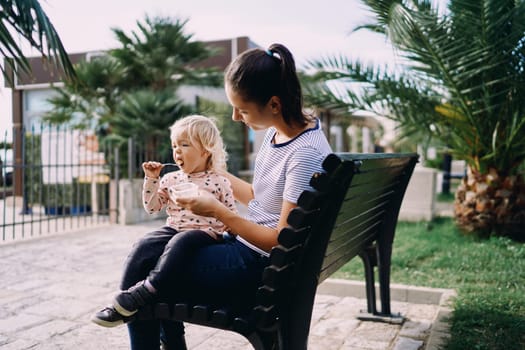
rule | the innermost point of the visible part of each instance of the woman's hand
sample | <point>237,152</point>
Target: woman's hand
<point>152,169</point>
<point>205,204</point>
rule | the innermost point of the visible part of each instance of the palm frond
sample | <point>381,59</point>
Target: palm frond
<point>27,19</point>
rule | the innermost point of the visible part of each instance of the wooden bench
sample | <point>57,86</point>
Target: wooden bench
<point>352,212</point>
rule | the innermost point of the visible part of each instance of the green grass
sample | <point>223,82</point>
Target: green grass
<point>488,276</point>
<point>445,197</point>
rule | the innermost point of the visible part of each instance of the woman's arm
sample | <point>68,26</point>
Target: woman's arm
<point>260,236</point>
<point>242,190</point>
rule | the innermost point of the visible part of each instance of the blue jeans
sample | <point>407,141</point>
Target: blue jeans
<point>188,267</point>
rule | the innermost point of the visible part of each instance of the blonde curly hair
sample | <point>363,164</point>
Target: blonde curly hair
<point>203,131</point>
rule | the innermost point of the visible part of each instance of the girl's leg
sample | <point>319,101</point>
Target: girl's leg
<point>146,335</point>
<point>144,255</point>
<point>175,259</point>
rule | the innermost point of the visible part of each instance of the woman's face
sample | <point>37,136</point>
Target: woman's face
<point>251,114</point>
<point>191,158</point>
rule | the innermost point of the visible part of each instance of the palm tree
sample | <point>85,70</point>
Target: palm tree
<point>160,54</point>
<point>27,19</point>
<point>461,79</point>
<point>131,91</point>
<point>158,57</point>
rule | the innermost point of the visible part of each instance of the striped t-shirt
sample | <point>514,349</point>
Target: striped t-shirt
<point>283,171</point>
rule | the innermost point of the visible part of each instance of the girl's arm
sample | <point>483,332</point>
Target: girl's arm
<point>153,199</point>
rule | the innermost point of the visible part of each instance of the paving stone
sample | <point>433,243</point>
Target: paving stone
<point>19,344</point>
<point>355,342</point>
<point>26,285</point>
<point>318,342</point>
<point>422,311</point>
<point>336,328</point>
<point>15,323</point>
<point>72,290</point>
<point>224,341</point>
<point>42,332</point>
<point>196,335</point>
<point>403,343</point>
<point>415,329</point>
<point>378,331</point>
<point>437,340</point>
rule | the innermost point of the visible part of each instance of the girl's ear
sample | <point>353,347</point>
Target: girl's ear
<point>275,104</point>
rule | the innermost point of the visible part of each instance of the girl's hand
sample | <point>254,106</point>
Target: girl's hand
<point>204,204</point>
<point>152,169</point>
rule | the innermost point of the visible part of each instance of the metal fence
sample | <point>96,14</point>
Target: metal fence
<point>55,179</point>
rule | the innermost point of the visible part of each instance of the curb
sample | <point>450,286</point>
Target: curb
<point>439,331</point>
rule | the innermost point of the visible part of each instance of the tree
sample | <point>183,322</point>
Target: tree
<point>158,57</point>
<point>131,92</point>
<point>27,19</point>
<point>461,79</point>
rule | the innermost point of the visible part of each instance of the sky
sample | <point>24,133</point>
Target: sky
<point>310,29</point>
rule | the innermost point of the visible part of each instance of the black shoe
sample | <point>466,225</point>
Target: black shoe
<point>108,317</point>
<point>129,301</point>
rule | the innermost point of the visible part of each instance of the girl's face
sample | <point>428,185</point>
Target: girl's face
<point>251,114</point>
<point>191,158</point>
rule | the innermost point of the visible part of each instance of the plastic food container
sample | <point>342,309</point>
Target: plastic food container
<point>186,189</point>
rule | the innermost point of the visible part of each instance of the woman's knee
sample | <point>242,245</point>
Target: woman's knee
<point>191,239</point>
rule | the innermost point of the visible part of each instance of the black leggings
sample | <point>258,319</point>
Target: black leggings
<point>161,256</point>
<point>149,258</point>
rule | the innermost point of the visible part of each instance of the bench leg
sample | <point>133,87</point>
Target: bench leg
<point>370,260</point>
<point>383,272</point>
<point>293,337</point>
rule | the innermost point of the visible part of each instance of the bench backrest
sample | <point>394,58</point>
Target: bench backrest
<point>355,203</point>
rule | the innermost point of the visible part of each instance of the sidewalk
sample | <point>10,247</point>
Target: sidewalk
<point>52,284</point>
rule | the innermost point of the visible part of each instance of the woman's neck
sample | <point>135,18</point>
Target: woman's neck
<point>285,133</point>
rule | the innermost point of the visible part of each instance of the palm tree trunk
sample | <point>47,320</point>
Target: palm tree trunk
<point>491,204</point>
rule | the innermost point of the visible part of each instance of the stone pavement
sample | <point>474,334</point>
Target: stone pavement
<point>52,284</point>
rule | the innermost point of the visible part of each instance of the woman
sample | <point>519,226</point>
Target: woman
<point>263,88</point>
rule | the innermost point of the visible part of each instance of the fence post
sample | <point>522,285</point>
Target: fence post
<point>26,208</point>
<point>114,189</point>
<point>445,185</point>
<point>131,158</point>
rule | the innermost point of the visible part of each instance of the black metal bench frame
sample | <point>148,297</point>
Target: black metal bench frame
<point>352,212</point>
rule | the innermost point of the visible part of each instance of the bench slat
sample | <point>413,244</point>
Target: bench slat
<point>275,277</point>
<point>299,217</point>
<point>222,318</point>
<point>201,313</point>
<point>289,237</point>
<point>280,256</point>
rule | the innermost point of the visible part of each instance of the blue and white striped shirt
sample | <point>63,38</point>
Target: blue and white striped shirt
<point>282,172</point>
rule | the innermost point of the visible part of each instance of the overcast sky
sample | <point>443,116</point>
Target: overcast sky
<point>310,29</point>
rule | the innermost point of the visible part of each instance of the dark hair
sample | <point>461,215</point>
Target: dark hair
<point>257,75</point>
